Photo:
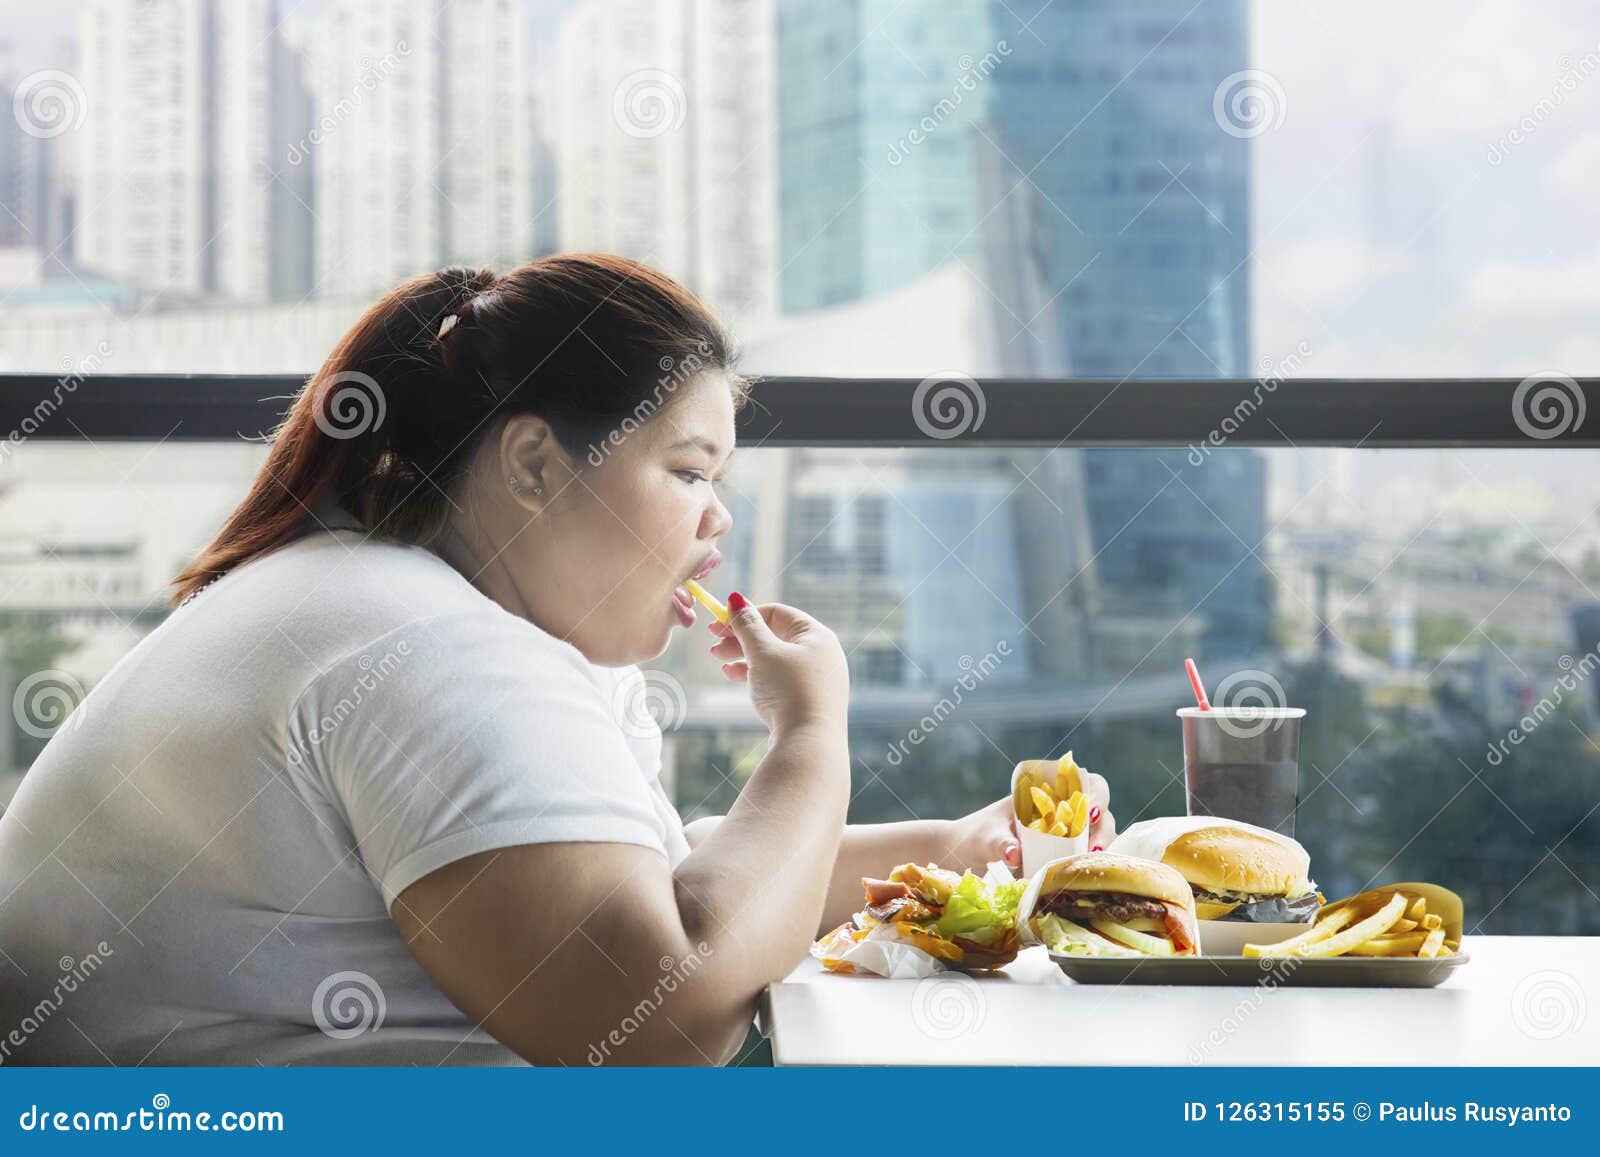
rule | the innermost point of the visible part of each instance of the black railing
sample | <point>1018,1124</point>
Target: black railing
<point>800,411</point>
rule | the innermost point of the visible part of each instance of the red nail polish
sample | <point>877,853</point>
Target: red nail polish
<point>1094,815</point>
<point>1098,848</point>
<point>737,602</point>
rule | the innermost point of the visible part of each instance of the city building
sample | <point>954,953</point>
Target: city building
<point>663,141</point>
<point>896,153</point>
<point>423,146</point>
<point>186,105</point>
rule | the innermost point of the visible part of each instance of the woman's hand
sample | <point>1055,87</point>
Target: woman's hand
<point>986,835</point>
<point>990,833</point>
<point>1102,824</point>
<point>795,666</point>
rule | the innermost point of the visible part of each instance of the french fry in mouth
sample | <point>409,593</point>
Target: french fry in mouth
<point>706,599</point>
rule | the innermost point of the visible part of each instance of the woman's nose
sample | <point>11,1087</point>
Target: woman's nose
<point>719,520</point>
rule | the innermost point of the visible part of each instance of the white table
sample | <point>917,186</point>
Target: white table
<point>1519,1000</point>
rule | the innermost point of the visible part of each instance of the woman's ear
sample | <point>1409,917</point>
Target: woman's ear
<point>526,445</point>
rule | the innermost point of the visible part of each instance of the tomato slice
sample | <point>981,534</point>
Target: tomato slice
<point>1178,930</point>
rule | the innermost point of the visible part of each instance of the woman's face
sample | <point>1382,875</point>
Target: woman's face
<point>599,557</point>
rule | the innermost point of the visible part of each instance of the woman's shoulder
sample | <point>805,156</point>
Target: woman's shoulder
<point>384,595</point>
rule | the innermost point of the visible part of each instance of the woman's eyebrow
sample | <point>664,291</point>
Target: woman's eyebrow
<point>706,444</point>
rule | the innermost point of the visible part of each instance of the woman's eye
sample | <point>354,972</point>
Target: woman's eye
<point>692,476</point>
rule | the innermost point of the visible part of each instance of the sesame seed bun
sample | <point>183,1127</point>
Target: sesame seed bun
<point>1239,858</point>
<point>1105,872</point>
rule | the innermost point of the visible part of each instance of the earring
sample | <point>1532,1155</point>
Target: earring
<point>516,486</point>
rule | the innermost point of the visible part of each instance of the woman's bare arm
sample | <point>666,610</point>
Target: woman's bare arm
<point>599,952</point>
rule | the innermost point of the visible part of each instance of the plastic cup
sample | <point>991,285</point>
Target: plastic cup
<point>1243,763</point>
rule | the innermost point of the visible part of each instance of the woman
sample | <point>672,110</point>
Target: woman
<point>367,795</point>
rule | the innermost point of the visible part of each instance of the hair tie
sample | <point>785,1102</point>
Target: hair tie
<point>454,319</point>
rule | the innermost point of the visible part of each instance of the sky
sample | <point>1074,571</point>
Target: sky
<point>1386,234</point>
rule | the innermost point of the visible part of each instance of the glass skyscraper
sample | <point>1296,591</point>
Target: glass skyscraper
<point>1092,122</point>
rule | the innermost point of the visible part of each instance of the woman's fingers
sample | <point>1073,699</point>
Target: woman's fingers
<point>721,630</point>
<point>727,649</point>
<point>737,672</point>
<point>1103,830</point>
<point>1011,852</point>
<point>1102,824</point>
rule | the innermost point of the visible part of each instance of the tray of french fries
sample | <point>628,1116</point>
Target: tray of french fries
<point>1052,810</point>
<point>1397,936</point>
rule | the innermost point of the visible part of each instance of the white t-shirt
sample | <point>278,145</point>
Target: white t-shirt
<point>198,868</point>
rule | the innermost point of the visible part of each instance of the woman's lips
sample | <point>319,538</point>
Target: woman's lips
<point>683,603</point>
<point>682,600</point>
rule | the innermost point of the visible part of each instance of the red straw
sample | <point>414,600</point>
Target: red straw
<point>1199,688</point>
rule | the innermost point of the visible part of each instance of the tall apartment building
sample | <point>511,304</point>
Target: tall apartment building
<point>188,107</point>
<point>425,147</point>
<point>144,215</point>
<point>664,145</point>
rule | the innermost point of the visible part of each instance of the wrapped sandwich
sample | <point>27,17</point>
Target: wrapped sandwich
<point>1100,904</point>
<point>922,920</point>
<point>1237,871</point>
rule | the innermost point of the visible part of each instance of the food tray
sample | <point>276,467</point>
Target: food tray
<point>1279,971</point>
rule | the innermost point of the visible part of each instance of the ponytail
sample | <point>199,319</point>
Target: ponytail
<point>385,427</point>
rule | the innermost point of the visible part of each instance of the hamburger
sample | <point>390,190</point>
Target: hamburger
<point>960,919</point>
<point>1236,871</point>
<point>1101,904</point>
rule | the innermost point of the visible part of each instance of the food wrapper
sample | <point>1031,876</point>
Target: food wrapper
<point>1149,840</point>
<point>895,950</point>
<point>1030,901</point>
<point>1040,848</point>
<point>1261,922</point>
<point>1442,902</point>
<point>880,951</point>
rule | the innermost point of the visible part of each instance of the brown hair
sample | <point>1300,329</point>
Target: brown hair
<point>390,421</point>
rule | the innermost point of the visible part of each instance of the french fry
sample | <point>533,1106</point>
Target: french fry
<point>1323,929</point>
<point>1359,933</point>
<point>1418,909</point>
<point>1405,944</point>
<point>1069,776</point>
<point>1058,829</point>
<point>1063,815</point>
<point>1080,813</point>
<point>707,600</point>
<point>1431,945</point>
<point>1404,925</point>
<point>1430,922</point>
<point>1043,801</point>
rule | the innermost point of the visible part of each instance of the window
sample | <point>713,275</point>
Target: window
<point>1095,189</point>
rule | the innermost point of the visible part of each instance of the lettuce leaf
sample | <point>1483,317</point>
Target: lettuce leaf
<point>975,906</point>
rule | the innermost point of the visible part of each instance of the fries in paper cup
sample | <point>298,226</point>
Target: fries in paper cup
<point>1051,808</point>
